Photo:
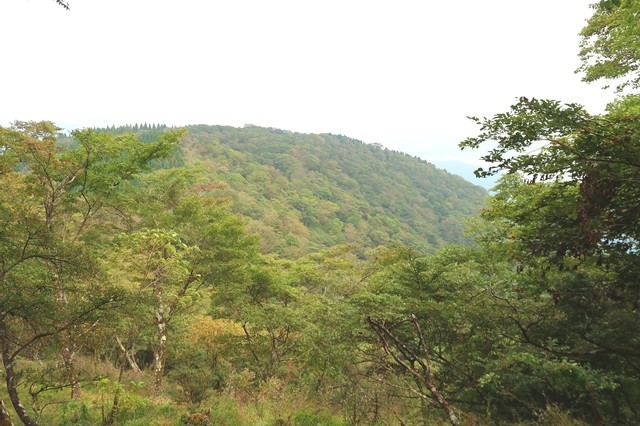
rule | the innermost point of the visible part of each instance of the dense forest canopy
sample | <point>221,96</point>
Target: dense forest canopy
<point>307,192</point>
<point>214,275</point>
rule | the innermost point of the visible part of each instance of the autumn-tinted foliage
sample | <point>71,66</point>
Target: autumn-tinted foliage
<point>257,277</point>
<point>304,192</point>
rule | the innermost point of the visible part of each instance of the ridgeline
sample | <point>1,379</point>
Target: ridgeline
<point>304,192</point>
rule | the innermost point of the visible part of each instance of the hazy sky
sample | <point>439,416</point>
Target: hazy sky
<point>401,73</point>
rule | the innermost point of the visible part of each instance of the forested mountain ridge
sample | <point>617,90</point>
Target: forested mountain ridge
<point>131,294</point>
<point>303,192</point>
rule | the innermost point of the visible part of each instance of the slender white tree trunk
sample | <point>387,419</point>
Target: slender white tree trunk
<point>160,351</point>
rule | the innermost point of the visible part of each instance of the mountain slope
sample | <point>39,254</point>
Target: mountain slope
<point>304,192</point>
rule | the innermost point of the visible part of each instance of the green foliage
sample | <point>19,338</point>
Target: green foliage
<point>566,218</point>
<point>610,45</point>
<point>111,250</point>
<point>435,310</point>
<point>196,382</point>
<point>318,418</point>
<point>307,192</point>
<point>287,336</point>
<point>77,413</point>
<point>590,162</point>
<point>520,384</point>
<point>55,209</point>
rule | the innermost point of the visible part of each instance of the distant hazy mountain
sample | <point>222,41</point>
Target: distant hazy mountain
<point>466,170</point>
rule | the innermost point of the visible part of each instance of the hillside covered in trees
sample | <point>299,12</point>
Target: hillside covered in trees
<point>221,276</point>
<point>307,192</point>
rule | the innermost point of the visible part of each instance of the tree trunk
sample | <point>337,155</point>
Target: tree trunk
<point>12,390</point>
<point>5,420</point>
<point>116,397</point>
<point>68,356</point>
<point>410,359</point>
<point>68,344</point>
<point>127,355</point>
<point>442,402</point>
<point>429,380</point>
<point>160,350</point>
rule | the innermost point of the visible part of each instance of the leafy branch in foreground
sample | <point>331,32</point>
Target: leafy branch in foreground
<point>610,45</point>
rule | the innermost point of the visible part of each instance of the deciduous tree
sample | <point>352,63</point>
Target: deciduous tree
<point>610,46</point>
<point>54,202</point>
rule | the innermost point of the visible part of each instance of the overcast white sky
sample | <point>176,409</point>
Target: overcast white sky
<point>403,73</point>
